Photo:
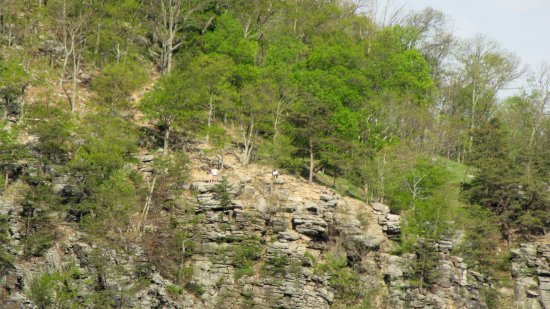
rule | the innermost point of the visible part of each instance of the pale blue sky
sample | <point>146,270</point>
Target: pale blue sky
<point>520,26</point>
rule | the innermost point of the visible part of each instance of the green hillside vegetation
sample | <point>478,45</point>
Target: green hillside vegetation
<point>404,114</point>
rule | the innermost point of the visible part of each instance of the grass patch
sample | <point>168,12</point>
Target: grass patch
<point>246,253</point>
<point>275,266</point>
<point>458,172</point>
<point>342,186</point>
<point>174,289</point>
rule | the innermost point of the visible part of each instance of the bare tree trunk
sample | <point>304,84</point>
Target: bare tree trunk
<point>247,27</point>
<point>277,119</point>
<point>166,146</point>
<point>169,56</point>
<point>311,157</point>
<point>381,180</point>
<point>118,54</point>
<point>472,120</point>
<point>169,46</point>
<point>248,143</point>
<point>508,236</point>
<point>170,25</point>
<point>67,51</point>
<point>97,40</point>
<point>74,97</point>
<point>210,114</point>
<point>147,205</point>
<point>295,25</point>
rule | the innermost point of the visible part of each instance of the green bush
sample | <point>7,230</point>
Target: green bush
<point>117,82</point>
<point>196,288</point>
<point>275,266</point>
<point>185,274</point>
<point>13,81</point>
<point>348,285</point>
<point>311,258</point>
<point>174,289</point>
<point>5,257</point>
<point>246,253</point>
<point>222,190</point>
<point>56,289</point>
<point>243,272</point>
<point>37,243</point>
<point>491,298</point>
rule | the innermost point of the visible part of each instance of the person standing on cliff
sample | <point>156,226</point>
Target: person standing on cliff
<point>214,172</point>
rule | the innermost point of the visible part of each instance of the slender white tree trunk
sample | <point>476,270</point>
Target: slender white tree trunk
<point>210,115</point>
<point>311,158</point>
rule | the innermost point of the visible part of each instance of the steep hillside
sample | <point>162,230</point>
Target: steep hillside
<point>408,180</point>
<point>254,242</point>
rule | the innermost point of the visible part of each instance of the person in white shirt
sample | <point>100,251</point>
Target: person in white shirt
<point>213,175</point>
<point>275,173</point>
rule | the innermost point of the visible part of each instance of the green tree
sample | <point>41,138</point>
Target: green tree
<point>118,31</point>
<point>170,104</point>
<point>310,118</point>
<point>14,79</point>
<point>211,84</point>
<point>55,129</point>
<point>497,185</point>
<point>107,144</point>
<point>11,151</point>
<point>116,83</point>
<point>485,71</point>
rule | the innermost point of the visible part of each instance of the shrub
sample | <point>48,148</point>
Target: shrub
<point>311,258</point>
<point>275,266</point>
<point>174,289</point>
<point>222,190</point>
<point>186,273</point>
<point>5,257</point>
<point>59,288</point>
<point>246,253</point>
<point>491,298</point>
<point>348,286</point>
<point>117,82</point>
<point>37,243</point>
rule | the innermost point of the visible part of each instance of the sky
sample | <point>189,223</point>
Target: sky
<point>519,26</point>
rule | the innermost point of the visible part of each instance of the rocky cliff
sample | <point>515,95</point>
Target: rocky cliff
<point>256,242</point>
<point>531,271</point>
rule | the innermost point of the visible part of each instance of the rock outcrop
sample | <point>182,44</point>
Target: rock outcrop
<point>391,223</point>
<point>455,287</point>
<point>531,271</point>
<point>259,244</point>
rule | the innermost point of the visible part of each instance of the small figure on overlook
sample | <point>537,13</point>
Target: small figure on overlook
<point>213,173</point>
<point>275,173</point>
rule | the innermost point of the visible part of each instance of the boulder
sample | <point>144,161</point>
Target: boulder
<point>357,245</point>
<point>208,201</point>
<point>380,209</point>
<point>203,187</point>
<point>52,48</point>
<point>444,246</point>
<point>288,236</point>
<point>310,225</point>
<point>390,223</point>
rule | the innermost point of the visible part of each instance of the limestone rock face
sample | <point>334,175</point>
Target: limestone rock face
<point>455,287</point>
<point>531,271</point>
<point>52,48</point>
<point>120,272</point>
<point>310,225</point>
<point>259,245</point>
<point>390,223</point>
